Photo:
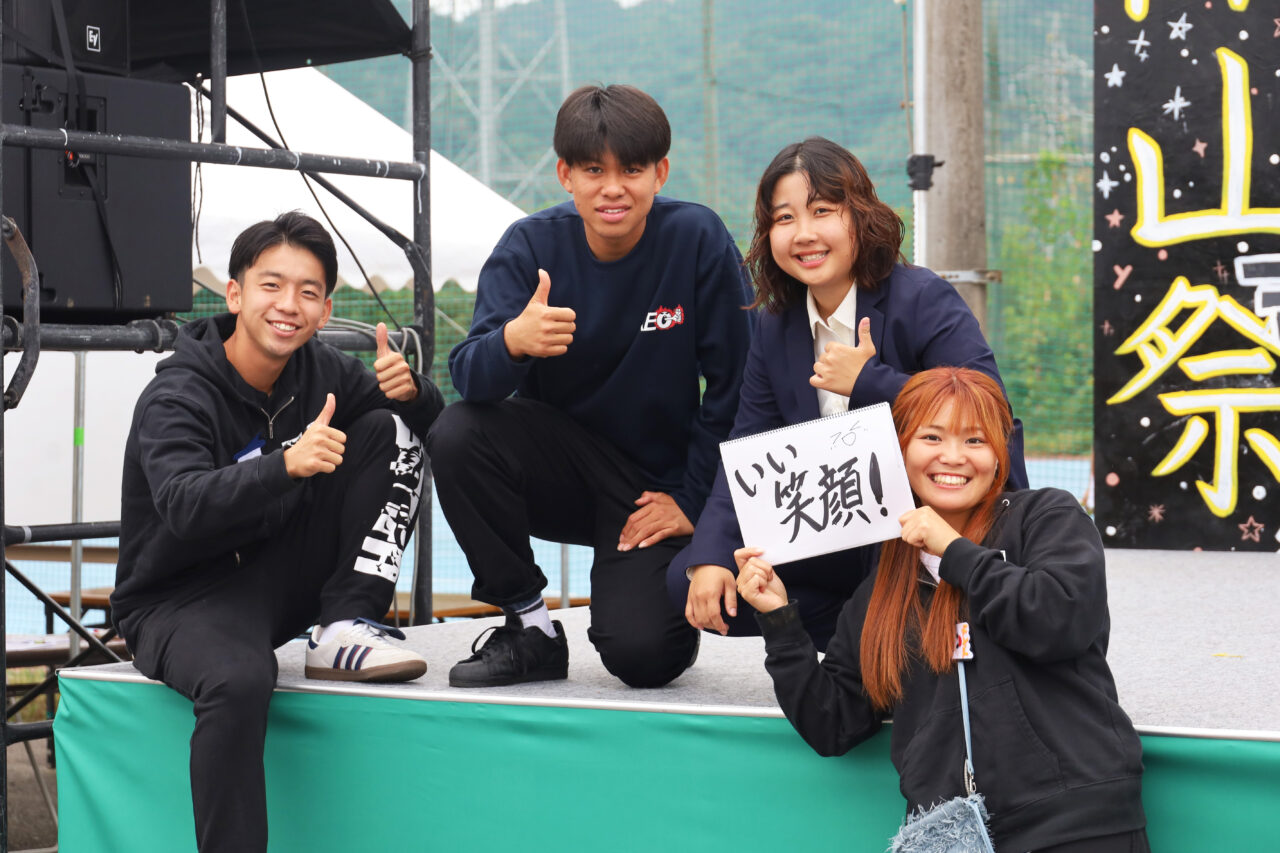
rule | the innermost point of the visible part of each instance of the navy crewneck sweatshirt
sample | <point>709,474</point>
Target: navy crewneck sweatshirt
<point>648,325</point>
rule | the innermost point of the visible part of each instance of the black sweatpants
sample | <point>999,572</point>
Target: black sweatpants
<point>508,470</point>
<point>337,558</point>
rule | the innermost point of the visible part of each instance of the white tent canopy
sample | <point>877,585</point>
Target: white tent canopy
<point>318,116</point>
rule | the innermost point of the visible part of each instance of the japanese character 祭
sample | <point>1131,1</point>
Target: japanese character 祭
<point>1187,276</point>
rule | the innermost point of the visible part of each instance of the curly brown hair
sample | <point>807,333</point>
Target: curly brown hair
<point>834,175</point>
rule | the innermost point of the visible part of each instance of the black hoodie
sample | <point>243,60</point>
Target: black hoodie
<point>188,508</point>
<point>1053,753</point>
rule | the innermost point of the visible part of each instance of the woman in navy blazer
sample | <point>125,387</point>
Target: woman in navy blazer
<point>826,261</point>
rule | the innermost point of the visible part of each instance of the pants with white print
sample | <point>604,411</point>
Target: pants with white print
<point>337,558</point>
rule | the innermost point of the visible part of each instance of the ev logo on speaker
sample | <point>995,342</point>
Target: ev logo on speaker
<point>93,39</point>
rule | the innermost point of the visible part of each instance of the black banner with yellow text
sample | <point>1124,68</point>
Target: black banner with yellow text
<point>1187,273</point>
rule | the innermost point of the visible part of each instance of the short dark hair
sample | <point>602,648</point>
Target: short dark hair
<point>617,118</point>
<point>834,175</point>
<point>294,228</point>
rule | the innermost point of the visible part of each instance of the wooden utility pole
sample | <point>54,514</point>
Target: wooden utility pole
<point>710,107</point>
<point>951,216</point>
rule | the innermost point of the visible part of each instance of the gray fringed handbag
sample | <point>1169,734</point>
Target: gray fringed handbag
<point>960,824</point>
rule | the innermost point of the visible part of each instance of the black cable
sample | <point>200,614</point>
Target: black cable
<point>197,185</point>
<point>99,198</point>
<point>253,49</point>
<point>77,119</point>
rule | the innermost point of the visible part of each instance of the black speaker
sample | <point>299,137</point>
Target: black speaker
<point>147,202</point>
<point>98,31</point>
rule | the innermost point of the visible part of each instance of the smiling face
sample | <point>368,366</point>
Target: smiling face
<point>951,466</point>
<point>812,241</point>
<point>279,304</point>
<point>613,200</point>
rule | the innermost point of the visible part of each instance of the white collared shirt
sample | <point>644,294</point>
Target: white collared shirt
<point>840,327</point>
<point>933,565</point>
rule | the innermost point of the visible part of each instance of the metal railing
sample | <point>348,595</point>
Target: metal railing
<point>158,334</point>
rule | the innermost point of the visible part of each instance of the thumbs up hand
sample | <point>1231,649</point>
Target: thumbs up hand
<point>392,371</point>
<point>541,330</point>
<point>319,450</point>
<point>838,368</point>
<point>326,414</point>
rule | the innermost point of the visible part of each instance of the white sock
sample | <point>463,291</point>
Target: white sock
<point>537,616</point>
<point>333,629</point>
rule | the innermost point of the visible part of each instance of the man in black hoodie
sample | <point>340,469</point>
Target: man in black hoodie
<point>270,483</point>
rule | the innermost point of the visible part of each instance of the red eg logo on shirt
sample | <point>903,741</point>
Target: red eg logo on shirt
<point>662,319</point>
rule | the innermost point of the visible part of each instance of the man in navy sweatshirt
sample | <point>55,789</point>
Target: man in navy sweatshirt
<point>270,483</point>
<point>582,419</point>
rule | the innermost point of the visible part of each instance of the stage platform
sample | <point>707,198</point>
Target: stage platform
<point>588,764</point>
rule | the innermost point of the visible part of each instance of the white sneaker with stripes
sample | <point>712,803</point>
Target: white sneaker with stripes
<point>362,652</point>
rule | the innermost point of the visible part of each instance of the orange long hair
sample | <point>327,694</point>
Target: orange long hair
<point>896,625</point>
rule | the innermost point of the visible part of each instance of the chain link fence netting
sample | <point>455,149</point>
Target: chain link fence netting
<point>739,79</point>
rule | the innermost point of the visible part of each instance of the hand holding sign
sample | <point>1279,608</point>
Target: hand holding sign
<point>758,583</point>
<point>924,528</point>
<point>541,330</point>
<point>319,450</point>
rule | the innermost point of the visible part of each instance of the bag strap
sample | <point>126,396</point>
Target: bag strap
<point>970,786</point>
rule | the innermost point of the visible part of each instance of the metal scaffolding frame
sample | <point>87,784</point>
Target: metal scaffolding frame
<point>496,76</point>
<point>31,336</point>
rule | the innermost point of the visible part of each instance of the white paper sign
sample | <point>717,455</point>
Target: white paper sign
<point>821,486</point>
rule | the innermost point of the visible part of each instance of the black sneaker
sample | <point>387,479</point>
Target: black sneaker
<point>513,655</point>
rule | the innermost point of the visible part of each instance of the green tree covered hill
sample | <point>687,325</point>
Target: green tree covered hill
<point>833,68</point>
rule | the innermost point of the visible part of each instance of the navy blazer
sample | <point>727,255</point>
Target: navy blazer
<point>918,321</point>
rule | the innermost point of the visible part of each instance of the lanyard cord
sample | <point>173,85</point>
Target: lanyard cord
<point>970,786</point>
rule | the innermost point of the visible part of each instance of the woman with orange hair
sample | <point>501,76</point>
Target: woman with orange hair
<point>1057,760</point>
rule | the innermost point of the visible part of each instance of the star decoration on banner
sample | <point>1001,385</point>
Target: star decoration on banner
<point>1214,74</point>
<point>1106,185</point>
<point>1179,28</point>
<point>1251,530</point>
<point>1176,104</point>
